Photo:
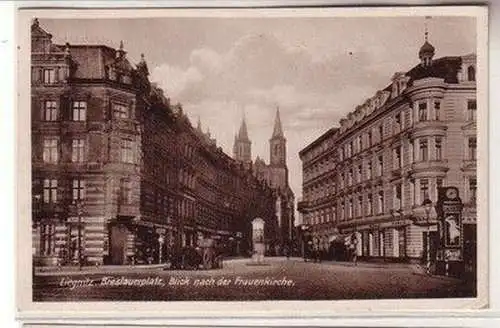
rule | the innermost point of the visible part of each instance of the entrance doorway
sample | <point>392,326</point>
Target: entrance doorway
<point>470,250</point>
<point>118,244</point>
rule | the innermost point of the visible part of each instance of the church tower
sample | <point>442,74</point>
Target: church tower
<point>277,148</point>
<point>277,143</point>
<point>242,148</point>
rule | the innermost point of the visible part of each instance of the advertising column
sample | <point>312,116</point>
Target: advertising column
<point>450,252</point>
<point>258,240</point>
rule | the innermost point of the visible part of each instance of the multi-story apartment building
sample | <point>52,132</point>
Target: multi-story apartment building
<point>119,174</point>
<point>371,175</point>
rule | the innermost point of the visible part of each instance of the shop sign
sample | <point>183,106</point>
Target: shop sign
<point>452,207</point>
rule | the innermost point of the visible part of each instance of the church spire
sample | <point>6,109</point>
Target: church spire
<point>242,149</point>
<point>198,127</point>
<point>243,133</point>
<point>278,130</point>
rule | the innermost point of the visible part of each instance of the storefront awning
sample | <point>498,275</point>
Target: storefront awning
<point>339,237</point>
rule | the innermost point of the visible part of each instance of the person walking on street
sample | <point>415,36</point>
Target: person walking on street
<point>354,242</point>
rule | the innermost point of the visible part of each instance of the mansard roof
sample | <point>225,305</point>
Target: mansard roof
<point>92,61</point>
<point>446,68</point>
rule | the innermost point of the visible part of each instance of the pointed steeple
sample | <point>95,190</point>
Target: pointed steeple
<point>198,126</point>
<point>278,130</point>
<point>243,133</point>
<point>142,66</point>
<point>242,149</point>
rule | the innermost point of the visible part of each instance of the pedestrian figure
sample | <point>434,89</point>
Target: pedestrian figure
<point>286,250</point>
<point>354,242</point>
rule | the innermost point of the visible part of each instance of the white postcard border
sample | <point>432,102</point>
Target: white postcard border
<point>28,309</point>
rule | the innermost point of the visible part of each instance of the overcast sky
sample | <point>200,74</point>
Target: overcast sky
<point>315,69</point>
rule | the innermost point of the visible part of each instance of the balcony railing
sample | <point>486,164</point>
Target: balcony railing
<point>440,165</point>
<point>469,164</point>
<point>301,204</point>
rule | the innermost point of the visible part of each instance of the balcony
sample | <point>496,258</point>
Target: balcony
<point>73,126</point>
<point>123,125</point>
<point>469,164</point>
<point>302,204</point>
<point>429,166</point>
<point>428,128</point>
<point>95,126</point>
<point>128,210</point>
<point>396,172</point>
<point>421,217</point>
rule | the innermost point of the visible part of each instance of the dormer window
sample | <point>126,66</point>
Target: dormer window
<point>398,120</point>
<point>402,86</point>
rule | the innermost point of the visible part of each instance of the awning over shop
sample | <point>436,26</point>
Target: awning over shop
<point>339,237</point>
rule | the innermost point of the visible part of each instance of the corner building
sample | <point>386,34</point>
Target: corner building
<point>370,175</point>
<point>119,175</point>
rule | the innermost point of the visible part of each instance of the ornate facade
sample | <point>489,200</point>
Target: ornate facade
<point>371,175</point>
<point>119,174</point>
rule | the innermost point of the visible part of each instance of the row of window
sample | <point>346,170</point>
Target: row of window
<point>420,146</point>
<point>374,203</point>
<point>376,134</point>
<point>52,150</point>
<point>48,75</point>
<point>50,188</point>
<point>50,111</point>
<point>55,75</point>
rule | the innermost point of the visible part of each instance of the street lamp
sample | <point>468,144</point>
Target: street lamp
<point>36,207</point>
<point>305,227</point>
<point>161,240</point>
<point>238,239</point>
<point>427,204</point>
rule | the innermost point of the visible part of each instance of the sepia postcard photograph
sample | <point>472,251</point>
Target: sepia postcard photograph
<point>328,156</point>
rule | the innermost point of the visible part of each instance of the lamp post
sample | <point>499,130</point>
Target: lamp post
<point>427,204</point>
<point>238,239</point>
<point>161,240</point>
<point>34,223</point>
<point>305,227</point>
<point>36,207</point>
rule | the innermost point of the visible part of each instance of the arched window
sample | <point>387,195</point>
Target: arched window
<point>471,73</point>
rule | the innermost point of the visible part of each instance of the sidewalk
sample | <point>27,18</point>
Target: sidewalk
<point>109,269</point>
<point>416,269</point>
<point>72,269</point>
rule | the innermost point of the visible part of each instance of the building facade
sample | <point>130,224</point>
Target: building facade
<point>119,175</point>
<point>371,175</point>
<point>274,175</point>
